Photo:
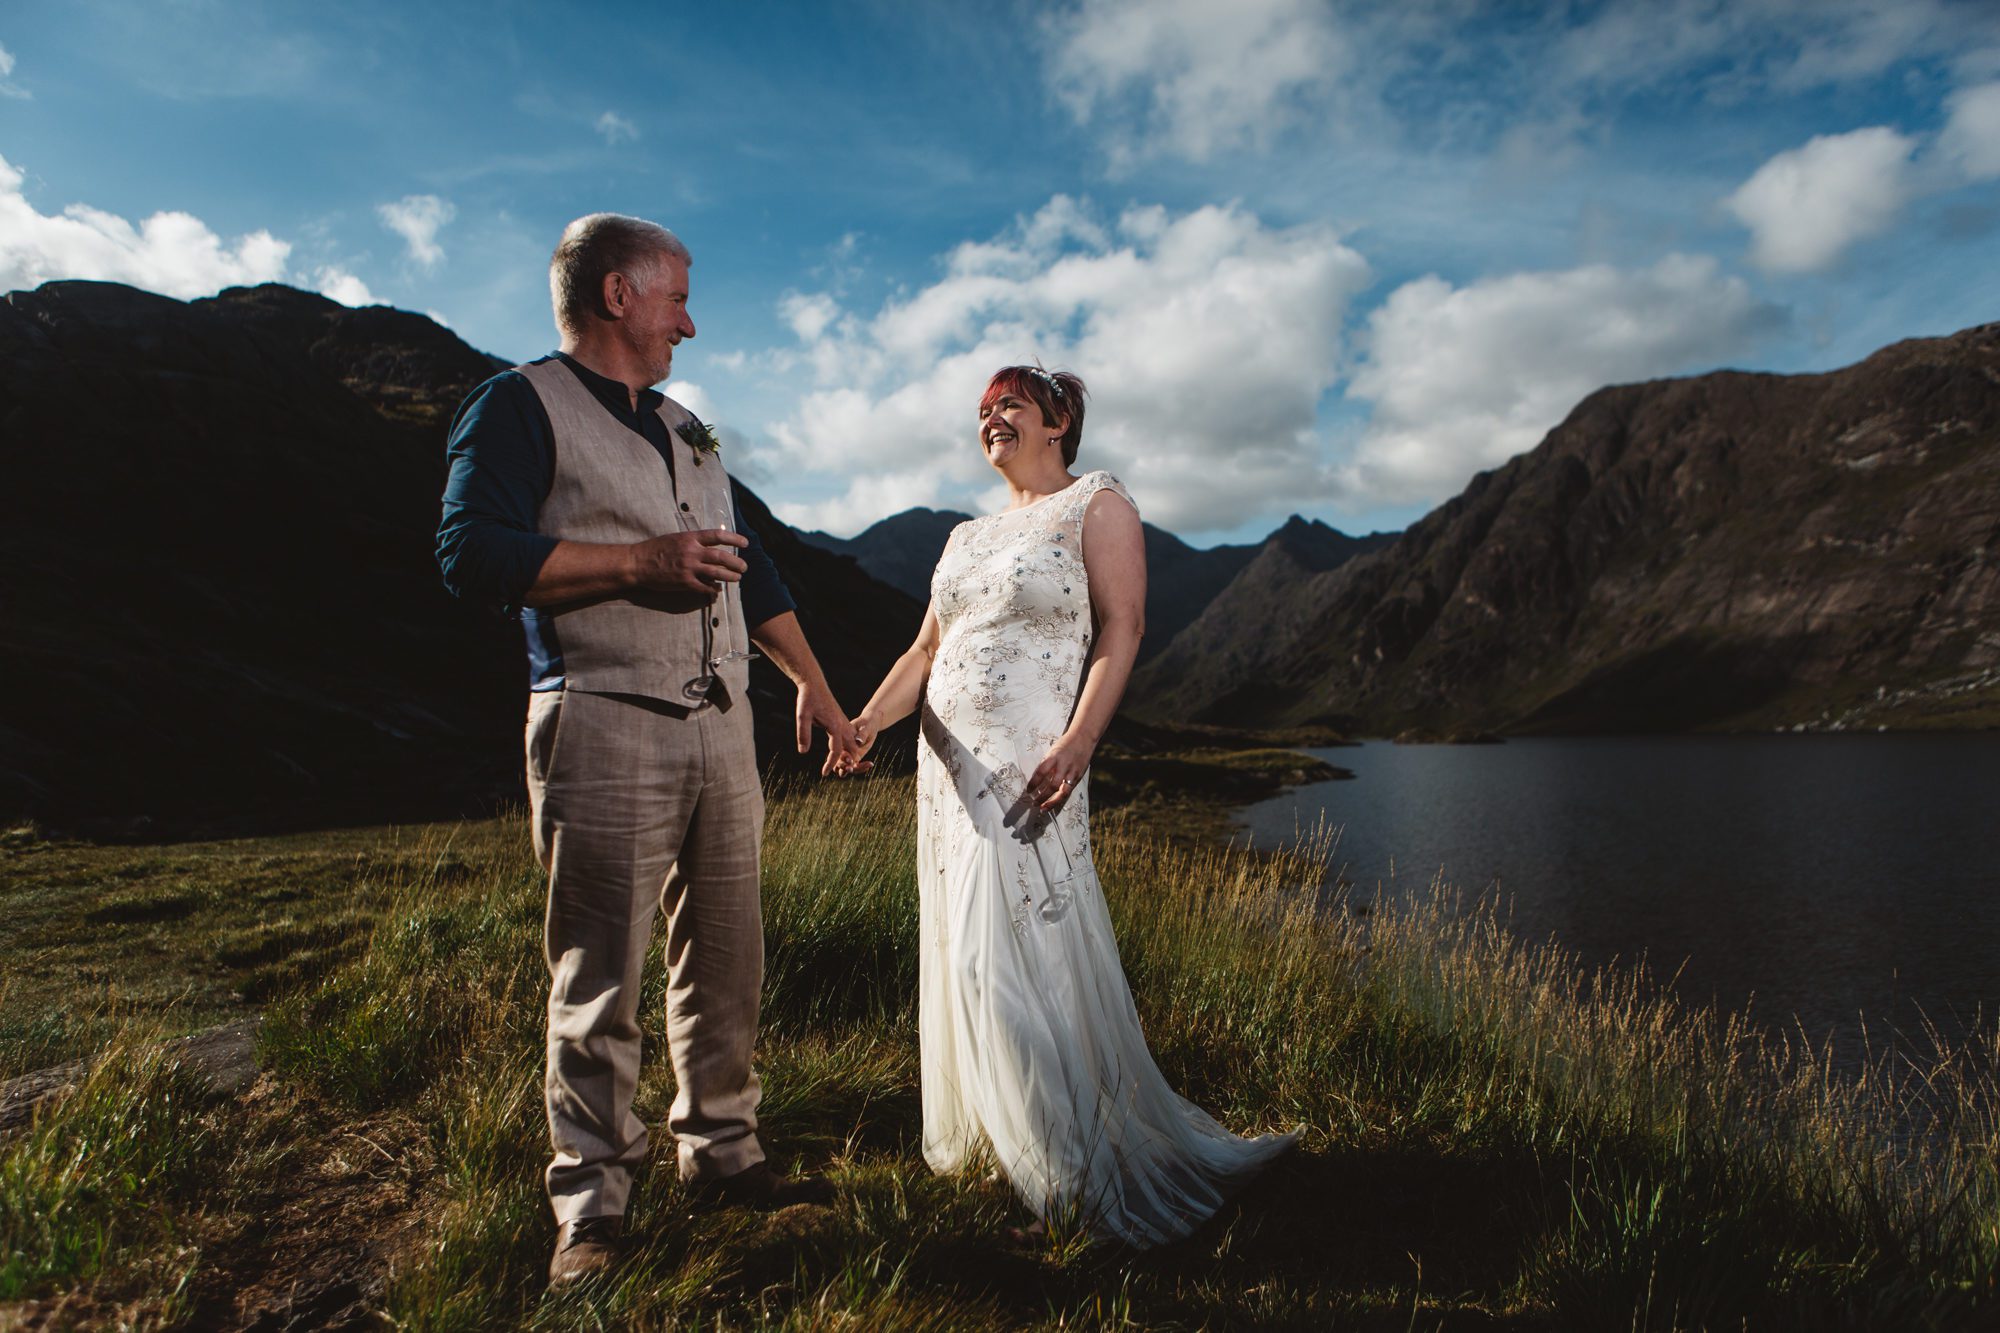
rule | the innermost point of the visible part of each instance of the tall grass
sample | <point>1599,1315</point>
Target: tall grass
<point>1620,1160</point>
<point>101,937</point>
<point>97,1184</point>
<point>1496,1136</point>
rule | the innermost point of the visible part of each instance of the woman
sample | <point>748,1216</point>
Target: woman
<point>1029,1038</point>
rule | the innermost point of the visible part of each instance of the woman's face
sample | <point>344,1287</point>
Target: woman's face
<point>1012,424</point>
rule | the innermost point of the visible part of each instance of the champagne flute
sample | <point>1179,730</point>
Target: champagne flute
<point>1062,870</point>
<point>721,516</point>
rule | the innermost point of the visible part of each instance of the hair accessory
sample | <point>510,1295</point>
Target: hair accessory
<point>1046,378</point>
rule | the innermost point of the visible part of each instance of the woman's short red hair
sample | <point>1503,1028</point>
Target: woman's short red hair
<point>1058,393</point>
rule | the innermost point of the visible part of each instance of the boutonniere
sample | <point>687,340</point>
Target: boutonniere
<point>699,437</point>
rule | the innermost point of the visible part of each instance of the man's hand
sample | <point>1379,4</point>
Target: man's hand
<point>850,761</point>
<point>818,708</point>
<point>697,562</point>
<point>785,644</point>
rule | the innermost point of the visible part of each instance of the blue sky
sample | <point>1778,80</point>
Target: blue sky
<point>1310,257</point>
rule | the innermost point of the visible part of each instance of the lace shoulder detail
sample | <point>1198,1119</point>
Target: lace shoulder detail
<point>1086,489</point>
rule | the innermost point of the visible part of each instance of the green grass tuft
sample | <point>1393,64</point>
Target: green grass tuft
<point>1496,1137</point>
<point>97,1177</point>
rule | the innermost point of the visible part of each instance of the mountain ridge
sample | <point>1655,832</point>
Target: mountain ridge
<point>220,528</point>
<point>902,550</point>
<point>1724,551</point>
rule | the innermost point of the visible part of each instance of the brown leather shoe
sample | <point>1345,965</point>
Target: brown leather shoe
<point>585,1248</point>
<point>762,1188</point>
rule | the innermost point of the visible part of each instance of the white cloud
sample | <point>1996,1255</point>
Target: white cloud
<point>1860,39</point>
<point>693,397</point>
<point>1200,79</point>
<point>738,451</point>
<point>1207,340</point>
<point>1729,48</point>
<point>338,284</point>
<point>1807,205</point>
<point>417,219</point>
<point>808,315</point>
<point>888,493</point>
<point>1970,139</point>
<point>616,129</point>
<point>8,88</point>
<point>1641,42</point>
<point>1193,77</point>
<point>1464,378</point>
<point>173,253</point>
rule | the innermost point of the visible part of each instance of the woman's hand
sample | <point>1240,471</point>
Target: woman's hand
<point>1059,772</point>
<point>899,694</point>
<point>848,760</point>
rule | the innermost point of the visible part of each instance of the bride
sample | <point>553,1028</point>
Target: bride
<point>1030,1042</point>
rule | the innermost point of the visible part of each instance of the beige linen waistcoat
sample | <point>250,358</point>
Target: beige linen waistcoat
<point>611,485</point>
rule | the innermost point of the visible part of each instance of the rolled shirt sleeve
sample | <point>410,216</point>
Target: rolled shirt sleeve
<point>764,593</point>
<point>500,459</point>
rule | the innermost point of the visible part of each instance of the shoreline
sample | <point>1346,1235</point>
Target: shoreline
<point>1186,783</point>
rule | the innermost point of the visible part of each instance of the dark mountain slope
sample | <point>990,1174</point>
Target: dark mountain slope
<point>900,550</point>
<point>1732,550</point>
<point>1181,580</point>
<point>218,567</point>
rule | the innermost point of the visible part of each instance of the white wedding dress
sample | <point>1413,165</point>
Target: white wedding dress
<point>1029,1038</point>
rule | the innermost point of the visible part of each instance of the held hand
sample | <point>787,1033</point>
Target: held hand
<point>849,761</point>
<point>1059,772</point>
<point>697,562</point>
<point>817,708</point>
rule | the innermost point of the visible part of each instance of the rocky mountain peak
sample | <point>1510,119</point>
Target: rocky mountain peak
<point>1726,550</point>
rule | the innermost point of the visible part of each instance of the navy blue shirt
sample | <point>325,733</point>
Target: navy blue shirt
<point>502,462</point>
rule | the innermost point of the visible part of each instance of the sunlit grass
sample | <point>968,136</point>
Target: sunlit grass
<point>184,935</point>
<point>87,1187</point>
<point>1495,1135</point>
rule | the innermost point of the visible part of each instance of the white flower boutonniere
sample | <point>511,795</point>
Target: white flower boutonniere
<point>699,437</point>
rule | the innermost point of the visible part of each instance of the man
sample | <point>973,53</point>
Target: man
<point>598,506</point>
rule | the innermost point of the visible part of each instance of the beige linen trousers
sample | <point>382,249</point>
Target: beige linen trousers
<point>640,806</point>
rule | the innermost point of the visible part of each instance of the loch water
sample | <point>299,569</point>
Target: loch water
<point>1826,881</point>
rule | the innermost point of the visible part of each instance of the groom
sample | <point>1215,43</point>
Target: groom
<point>600,508</point>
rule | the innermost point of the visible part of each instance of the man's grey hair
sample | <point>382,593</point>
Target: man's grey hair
<point>604,243</point>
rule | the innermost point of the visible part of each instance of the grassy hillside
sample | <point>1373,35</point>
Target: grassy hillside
<point>1495,1139</point>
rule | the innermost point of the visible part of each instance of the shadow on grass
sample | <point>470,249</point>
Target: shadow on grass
<point>1392,1238</point>
<point>1359,1217</point>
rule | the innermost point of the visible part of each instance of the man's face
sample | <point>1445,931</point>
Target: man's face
<point>656,318</point>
